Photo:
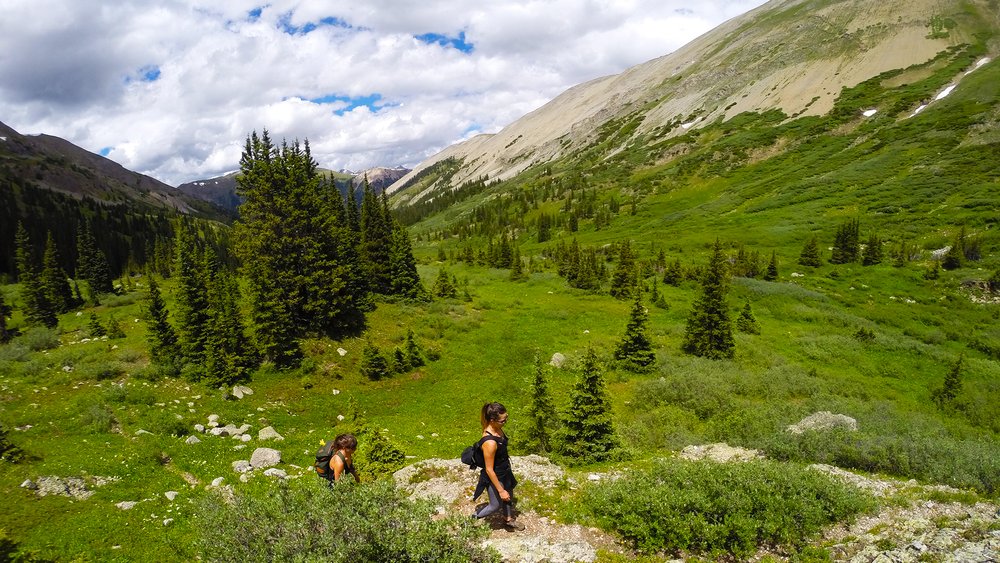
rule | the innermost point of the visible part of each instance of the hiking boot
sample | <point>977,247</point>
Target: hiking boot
<point>513,525</point>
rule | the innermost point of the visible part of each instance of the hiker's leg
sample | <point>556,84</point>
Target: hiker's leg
<point>493,506</point>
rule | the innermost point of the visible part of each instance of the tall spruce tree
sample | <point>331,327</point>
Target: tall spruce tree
<point>709,332</point>
<point>542,418</point>
<point>403,277</point>
<point>414,356</point>
<point>163,347</point>
<point>54,281</point>
<point>810,254</point>
<point>192,309</point>
<point>635,351</point>
<point>376,241</point>
<point>946,395</point>
<point>623,280</point>
<point>38,310</point>
<point>587,433</point>
<point>298,273</point>
<point>228,358</point>
<point>91,263</point>
<point>374,366</point>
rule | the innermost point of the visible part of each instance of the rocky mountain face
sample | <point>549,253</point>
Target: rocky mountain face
<point>380,178</point>
<point>791,55</point>
<point>56,164</point>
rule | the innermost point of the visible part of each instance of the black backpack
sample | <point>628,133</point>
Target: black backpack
<point>473,455</point>
<point>323,456</point>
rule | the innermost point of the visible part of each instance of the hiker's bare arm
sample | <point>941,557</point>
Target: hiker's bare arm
<point>489,454</point>
<point>337,465</point>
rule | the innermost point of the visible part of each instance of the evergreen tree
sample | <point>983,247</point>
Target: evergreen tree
<point>38,310</point>
<point>95,328</point>
<point>623,280</point>
<point>587,432</point>
<point>443,286</point>
<point>746,322</point>
<point>5,312</point>
<point>376,241</point>
<point>946,395</point>
<point>810,254</point>
<point>956,254</point>
<point>373,363</point>
<point>399,362</point>
<point>846,244</point>
<point>542,418</point>
<point>709,331</point>
<point>55,284</point>
<point>163,347</point>
<point>228,358</point>
<point>635,351</point>
<point>298,268</point>
<point>934,272</point>
<point>674,273</point>
<point>516,266</point>
<point>114,329</point>
<point>414,356</point>
<point>92,263</point>
<point>404,279</point>
<point>872,253</point>
<point>772,268</point>
<point>192,295</point>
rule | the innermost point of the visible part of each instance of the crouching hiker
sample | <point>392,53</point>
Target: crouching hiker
<point>496,477</point>
<point>336,458</point>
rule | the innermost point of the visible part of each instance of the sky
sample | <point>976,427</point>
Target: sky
<point>172,88</point>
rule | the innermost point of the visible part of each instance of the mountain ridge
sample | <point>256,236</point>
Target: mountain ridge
<point>749,63</point>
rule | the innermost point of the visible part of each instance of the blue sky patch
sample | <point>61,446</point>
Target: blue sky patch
<point>254,14</point>
<point>105,151</point>
<point>285,24</point>
<point>370,101</point>
<point>445,41</point>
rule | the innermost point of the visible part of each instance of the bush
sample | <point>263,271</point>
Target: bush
<point>710,508</point>
<point>303,520</point>
<point>971,464</point>
<point>38,338</point>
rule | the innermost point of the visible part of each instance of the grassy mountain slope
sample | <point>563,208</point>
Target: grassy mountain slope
<point>871,342</point>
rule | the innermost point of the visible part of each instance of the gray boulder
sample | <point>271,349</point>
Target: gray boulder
<point>127,504</point>
<point>557,360</point>
<point>265,457</point>
<point>824,420</point>
<point>275,472</point>
<point>192,440</point>
<point>242,466</point>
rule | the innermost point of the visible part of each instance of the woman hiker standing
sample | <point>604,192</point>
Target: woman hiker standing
<point>496,477</point>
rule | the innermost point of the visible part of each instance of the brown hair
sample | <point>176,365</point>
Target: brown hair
<point>491,412</point>
<point>345,442</point>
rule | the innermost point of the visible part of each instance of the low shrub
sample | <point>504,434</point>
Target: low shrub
<point>716,509</point>
<point>972,463</point>
<point>304,520</point>
<point>37,339</point>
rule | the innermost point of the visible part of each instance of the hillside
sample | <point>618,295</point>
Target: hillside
<point>795,56</point>
<point>840,220</point>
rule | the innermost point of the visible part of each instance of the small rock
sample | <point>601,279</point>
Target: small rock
<point>593,477</point>
<point>336,391</point>
<point>29,484</point>
<point>824,420</point>
<point>127,504</point>
<point>141,432</point>
<point>171,495</point>
<point>217,482</point>
<point>168,521</point>
<point>192,440</point>
<point>246,438</point>
<point>557,360</point>
<point>200,428</point>
<point>242,466</point>
<point>67,369</point>
<point>341,351</point>
<point>213,424</point>
<point>275,472</point>
<point>340,417</point>
<point>213,418</point>
<point>269,433</point>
